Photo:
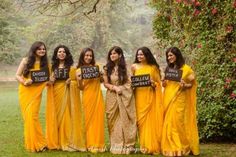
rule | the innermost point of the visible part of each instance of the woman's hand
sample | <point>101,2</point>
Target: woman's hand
<point>28,82</point>
<point>52,79</point>
<point>68,81</point>
<point>117,89</point>
<point>78,75</point>
<point>164,83</point>
<point>153,84</point>
<point>183,84</point>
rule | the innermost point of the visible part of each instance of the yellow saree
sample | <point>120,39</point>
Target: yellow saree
<point>64,122</point>
<point>149,110</point>
<point>93,106</point>
<point>30,100</point>
<point>180,134</point>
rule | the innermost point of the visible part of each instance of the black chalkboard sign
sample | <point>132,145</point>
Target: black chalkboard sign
<point>38,76</point>
<point>61,73</point>
<point>89,72</point>
<point>141,80</point>
<point>173,74</point>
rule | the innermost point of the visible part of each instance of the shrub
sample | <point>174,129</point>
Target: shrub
<point>205,30</point>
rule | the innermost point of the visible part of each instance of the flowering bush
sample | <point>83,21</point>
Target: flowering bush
<point>205,31</point>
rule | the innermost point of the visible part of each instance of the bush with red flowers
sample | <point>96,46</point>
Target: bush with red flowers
<point>205,31</point>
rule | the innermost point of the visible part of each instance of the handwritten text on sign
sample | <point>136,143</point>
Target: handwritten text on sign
<point>141,80</point>
<point>61,73</point>
<point>89,72</point>
<point>38,76</point>
<point>173,74</point>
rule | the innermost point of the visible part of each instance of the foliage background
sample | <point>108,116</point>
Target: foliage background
<point>116,22</point>
<point>205,31</point>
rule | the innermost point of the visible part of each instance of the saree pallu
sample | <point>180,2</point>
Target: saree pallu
<point>149,111</point>
<point>180,133</point>
<point>121,119</point>
<point>64,121</point>
<point>30,100</point>
<point>93,106</point>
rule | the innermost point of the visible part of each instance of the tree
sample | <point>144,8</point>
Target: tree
<point>8,33</point>
<point>58,8</point>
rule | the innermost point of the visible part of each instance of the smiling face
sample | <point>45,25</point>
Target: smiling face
<point>41,51</point>
<point>171,57</point>
<point>141,57</point>
<point>88,56</point>
<point>114,56</point>
<point>61,54</point>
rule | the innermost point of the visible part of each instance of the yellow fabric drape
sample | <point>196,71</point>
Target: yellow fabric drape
<point>30,100</point>
<point>180,134</point>
<point>121,117</point>
<point>64,122</point>
<point>93,106</point>
<point>149,111</point>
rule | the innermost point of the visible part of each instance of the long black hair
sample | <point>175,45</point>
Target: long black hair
<point>148,55</point>
<point>179,58</point>
<point>122,70</point>
<point>31,58</point>
<point>68,60</point>
<point>81,61</point>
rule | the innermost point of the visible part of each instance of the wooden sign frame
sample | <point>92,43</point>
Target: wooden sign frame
<point>173,74</point>
<point>90,72</point>
<point>141,80</point>
<point>39,76</point>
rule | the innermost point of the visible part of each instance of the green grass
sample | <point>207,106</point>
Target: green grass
<point>11,132</point>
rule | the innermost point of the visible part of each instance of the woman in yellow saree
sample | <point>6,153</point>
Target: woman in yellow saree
<point>93,104</point>
<point>180,134</point>
<point>120,104</point>
<point>64,125</point>
<point>148,102</point>
<point>30,94</point>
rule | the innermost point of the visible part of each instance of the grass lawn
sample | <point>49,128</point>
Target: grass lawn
<point>11,132</point>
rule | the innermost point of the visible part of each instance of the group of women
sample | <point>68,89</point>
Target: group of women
<point>160,116</point>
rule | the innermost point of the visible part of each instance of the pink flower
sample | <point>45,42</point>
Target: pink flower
<point>229,29</point>
<point>234,59</point>
<point>196,12</point>
<point>199,46</point>
<point>234,4</point>
<point>186,2</point>
<point>233,95</point>
<point>197,4</point>
<point>227,80</point>
<point>214,11</point>
<point>226,86</point>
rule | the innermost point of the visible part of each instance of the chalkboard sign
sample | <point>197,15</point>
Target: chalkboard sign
<point>141,80</point>
<point>61,73</point>
<point>38,76</point>
<point>89,72</point>
<point>173,74</point>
